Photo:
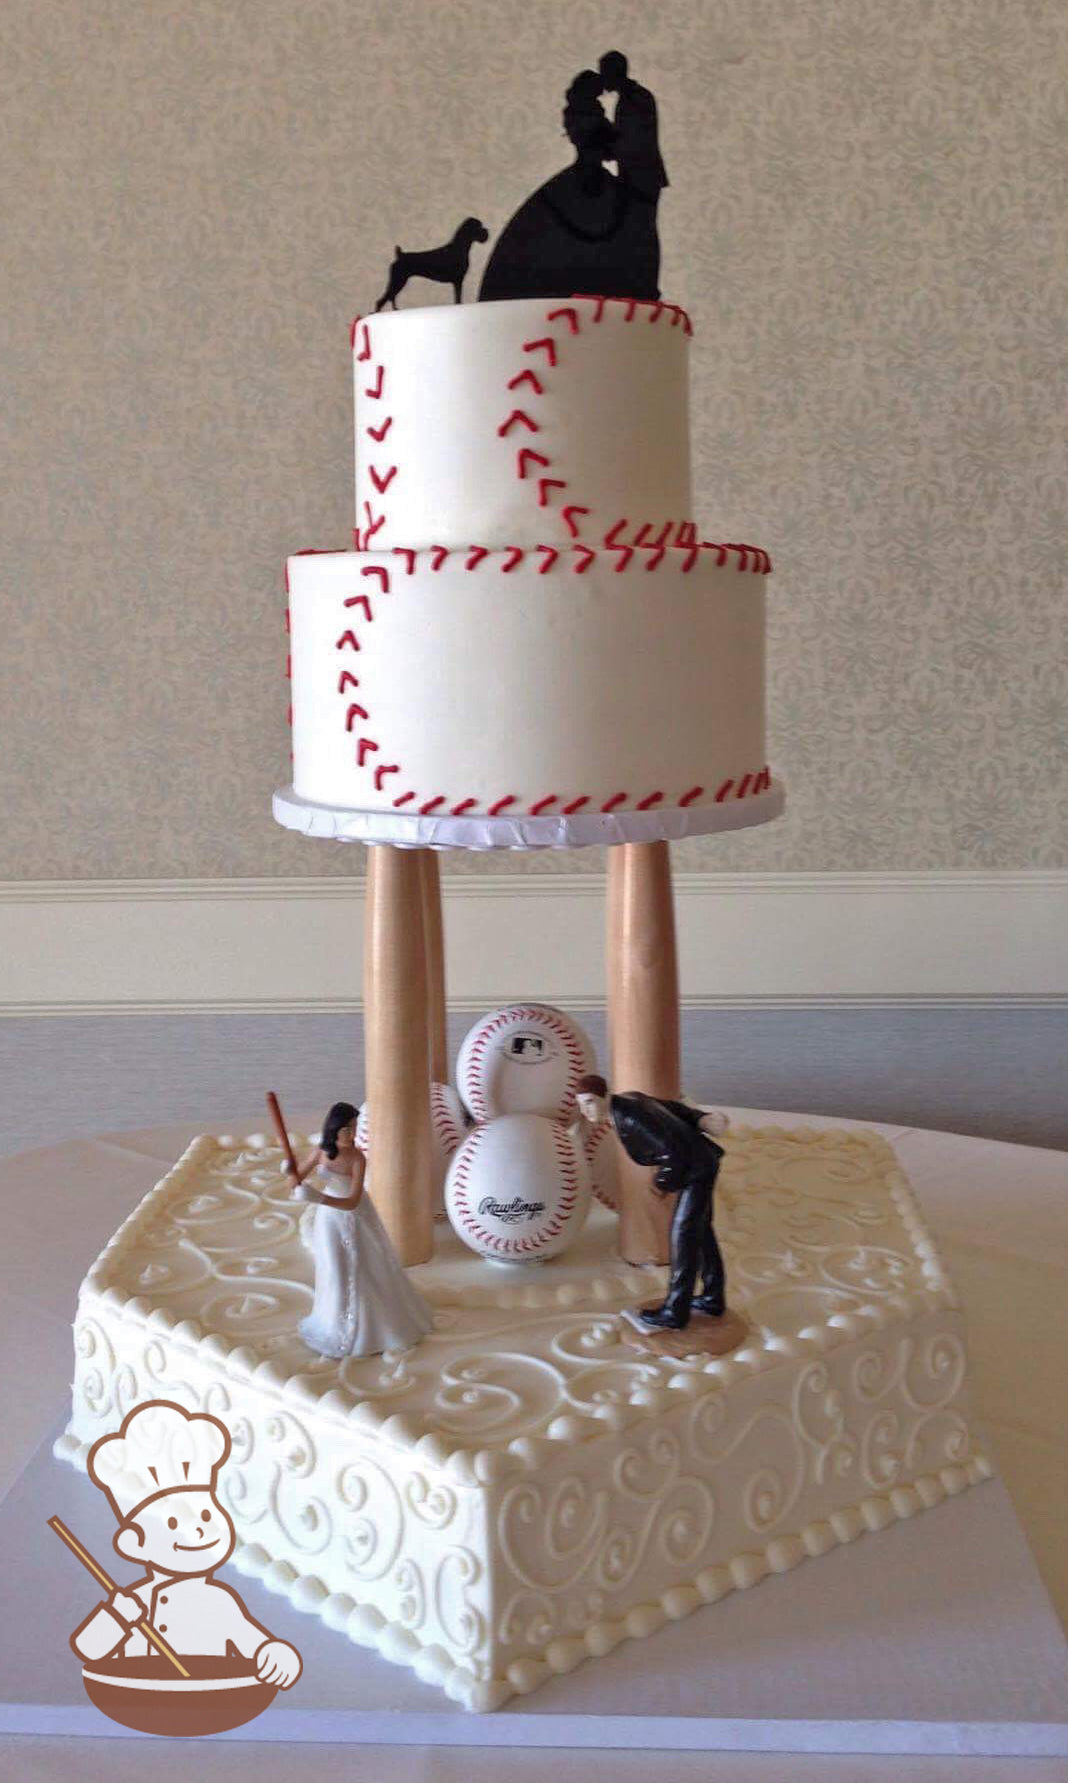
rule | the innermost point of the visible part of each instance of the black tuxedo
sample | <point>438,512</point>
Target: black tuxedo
<point>637,141</point>
<point>666,1136</point>
<point>644,176</point>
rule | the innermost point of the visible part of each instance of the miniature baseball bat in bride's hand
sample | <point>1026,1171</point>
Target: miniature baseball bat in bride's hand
<point>292,1167</point>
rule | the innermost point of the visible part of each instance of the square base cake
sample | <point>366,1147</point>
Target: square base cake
<point>525,1489</point>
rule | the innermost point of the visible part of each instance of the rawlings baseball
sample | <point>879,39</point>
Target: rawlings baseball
<point>524,1059</point>
<point>602,1154</point>
<point>518,1189</point>
<point>448,1124</point>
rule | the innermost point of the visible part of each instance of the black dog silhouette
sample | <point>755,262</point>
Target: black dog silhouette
<point>448,264</point>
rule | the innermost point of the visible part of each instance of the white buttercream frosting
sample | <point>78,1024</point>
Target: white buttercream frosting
<point>524,1490</point>
<point>601,399</point>
<point>424,682</point>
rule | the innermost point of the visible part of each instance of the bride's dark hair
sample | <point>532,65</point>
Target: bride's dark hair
<point>342,1114</point>
<point>585,123</point>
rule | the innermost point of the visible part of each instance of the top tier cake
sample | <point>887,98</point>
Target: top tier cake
<point>523,423</point>
<point>531,643</point>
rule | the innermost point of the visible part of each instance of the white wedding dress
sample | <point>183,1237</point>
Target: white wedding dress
<point>364,1303</point>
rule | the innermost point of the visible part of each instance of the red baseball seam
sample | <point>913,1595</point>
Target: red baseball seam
<point>536,1014</point>
<point>496,1242</point>
<point>569,315</point>
<point>582,556</point>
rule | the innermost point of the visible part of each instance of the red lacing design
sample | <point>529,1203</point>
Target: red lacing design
<point>465,1216</point>
<point>545,356</point>
<point>381,474</point>
<point>359,611</point>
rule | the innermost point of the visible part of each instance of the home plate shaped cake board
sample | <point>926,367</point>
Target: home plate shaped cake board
<point>524,1490</point>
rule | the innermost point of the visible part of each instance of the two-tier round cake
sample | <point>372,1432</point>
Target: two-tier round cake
<point>532,643</point>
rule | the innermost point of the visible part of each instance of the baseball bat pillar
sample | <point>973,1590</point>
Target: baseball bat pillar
<point>398,1055</point>
<point>434,938</point>
<point>643,1021</point>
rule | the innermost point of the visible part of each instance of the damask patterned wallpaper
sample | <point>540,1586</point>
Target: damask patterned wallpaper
<point>866,220</point>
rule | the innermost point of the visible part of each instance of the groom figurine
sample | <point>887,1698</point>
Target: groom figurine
<point>637,151</point>
<point>680,1142</point>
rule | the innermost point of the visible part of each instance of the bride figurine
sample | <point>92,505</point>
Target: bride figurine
<point>364,1303</point>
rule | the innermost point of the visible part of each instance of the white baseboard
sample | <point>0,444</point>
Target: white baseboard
<point>289,945</point>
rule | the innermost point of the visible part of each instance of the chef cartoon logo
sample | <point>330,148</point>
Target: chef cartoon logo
<point>174,1651</point>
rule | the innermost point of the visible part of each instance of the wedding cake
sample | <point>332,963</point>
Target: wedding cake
<point>523,1490</point>
<point>531,642</point>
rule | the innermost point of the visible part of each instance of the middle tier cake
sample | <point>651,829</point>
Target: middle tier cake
<point>542,680</point>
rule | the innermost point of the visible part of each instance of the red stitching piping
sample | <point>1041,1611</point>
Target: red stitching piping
<point>526,456</point>
<point>583,555</point>
<point>547,344</point>
<point>505,427</point>
<point>511,556</point>
<point>569,314</point>
<point>380,481</point>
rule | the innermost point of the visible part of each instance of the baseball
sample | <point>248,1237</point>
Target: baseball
<point>523,1059</point>
<point>448,1125</point>
<point>518,1189</point>
<point>602,1154</point>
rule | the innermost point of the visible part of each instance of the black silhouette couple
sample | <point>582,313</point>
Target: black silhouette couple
<point>589,230</point>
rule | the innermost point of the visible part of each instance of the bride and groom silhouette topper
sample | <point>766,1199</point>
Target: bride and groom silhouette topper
<point>590,230</point>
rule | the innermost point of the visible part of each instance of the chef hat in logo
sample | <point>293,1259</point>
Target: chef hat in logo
<point>159,1448</point>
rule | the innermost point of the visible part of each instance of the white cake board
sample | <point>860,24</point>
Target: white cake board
<point>586,829</point>
<point>933,1637</point>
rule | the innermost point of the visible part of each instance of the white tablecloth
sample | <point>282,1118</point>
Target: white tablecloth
<point>1000,1214</point>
